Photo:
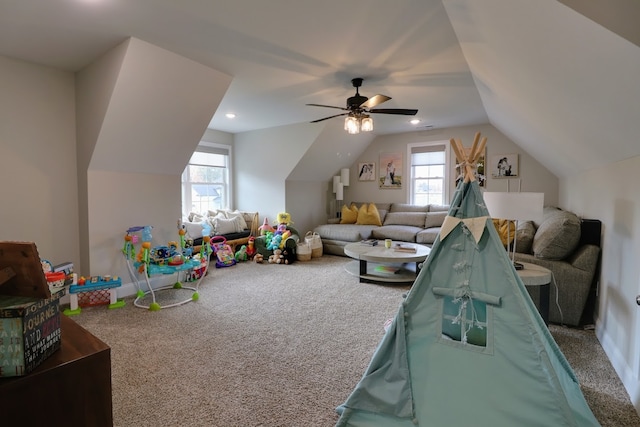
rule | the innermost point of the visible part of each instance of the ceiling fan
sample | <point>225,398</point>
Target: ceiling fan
<point>359,107</point>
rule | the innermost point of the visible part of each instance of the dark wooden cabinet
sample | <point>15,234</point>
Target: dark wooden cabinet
<point>70,388</point>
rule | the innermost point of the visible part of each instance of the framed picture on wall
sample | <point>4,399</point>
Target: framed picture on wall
<point>504,166</point>
<point>390,175</point>
<point>367,171</point>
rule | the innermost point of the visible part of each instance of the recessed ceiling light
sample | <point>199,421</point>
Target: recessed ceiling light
<point>230,116</point>
<point>414,121</point>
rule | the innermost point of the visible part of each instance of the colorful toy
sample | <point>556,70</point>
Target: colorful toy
<point>96,290</point>
<point>251,248</point>
<point>224,253</point>
<point>277,257</point>
<point>170,259</point>
<point>275,241</point>
<point>258,258</point>
<point>241,254</point>
<point>265,227</point>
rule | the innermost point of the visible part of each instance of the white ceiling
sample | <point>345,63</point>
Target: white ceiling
<point>552,80</point>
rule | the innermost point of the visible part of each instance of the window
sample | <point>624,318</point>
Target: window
<point>205,180</point>
<point>428,173</point>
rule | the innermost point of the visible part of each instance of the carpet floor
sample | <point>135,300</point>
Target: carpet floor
<point>278,346</point>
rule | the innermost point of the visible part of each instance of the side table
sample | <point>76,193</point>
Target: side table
<point>536,275</point>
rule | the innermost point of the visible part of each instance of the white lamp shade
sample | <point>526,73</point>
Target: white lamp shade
<point>340,192</point>
<point>352,125</point>
<point>336,181</point>
<point>344,177</point>
<point>515,206</point>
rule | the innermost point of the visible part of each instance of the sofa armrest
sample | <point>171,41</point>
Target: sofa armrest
<point>585,258</point>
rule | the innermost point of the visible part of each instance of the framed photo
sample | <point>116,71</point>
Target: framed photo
<point>366,171</point>
<point>390,175</point>
<point>480,170</point>
<point>504,166</point>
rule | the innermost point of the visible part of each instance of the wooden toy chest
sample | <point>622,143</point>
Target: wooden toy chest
<point>29,314</point>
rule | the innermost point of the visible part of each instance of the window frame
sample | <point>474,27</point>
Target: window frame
<point>186,185</point>
<point>447,169</point>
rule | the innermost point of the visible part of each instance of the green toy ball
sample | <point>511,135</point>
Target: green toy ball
<point>140,294</point>
<point>195,297</point>
<point>154,306</point>
<point>177,285</point>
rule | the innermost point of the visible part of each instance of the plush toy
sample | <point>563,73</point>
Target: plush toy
<point>241,254</point>
<point>277,257</point>
<point>265,227</point>
<point>258,258</point>
<point>251,248</point>
<point>275,242</point>
<point>288,256</point>
<point>284,238</point>
<point>284,218</point>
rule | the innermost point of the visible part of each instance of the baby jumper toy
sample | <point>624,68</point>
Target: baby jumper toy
<point>171,259</point>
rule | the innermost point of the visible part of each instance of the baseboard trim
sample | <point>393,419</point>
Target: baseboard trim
<point>628,378</point>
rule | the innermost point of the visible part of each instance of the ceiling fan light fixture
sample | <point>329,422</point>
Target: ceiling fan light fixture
<point>352,125</point>
<point>366,124</point>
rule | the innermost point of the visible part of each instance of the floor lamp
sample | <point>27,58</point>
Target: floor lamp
<point>339,182</point>
<point>514,207</point>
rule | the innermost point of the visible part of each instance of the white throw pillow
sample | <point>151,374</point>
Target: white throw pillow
<point>240,216</point>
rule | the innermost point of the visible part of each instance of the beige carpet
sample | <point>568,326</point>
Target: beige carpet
<point>275,345</point>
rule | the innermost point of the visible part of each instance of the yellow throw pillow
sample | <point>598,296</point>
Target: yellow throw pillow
<point>368,215</point>
<point>349,215</point>
<point>506,230</point>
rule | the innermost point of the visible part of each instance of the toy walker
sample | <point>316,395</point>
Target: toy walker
<point>171,259</point>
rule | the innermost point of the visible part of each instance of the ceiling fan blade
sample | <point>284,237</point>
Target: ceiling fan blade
<point>374,100</point>
<point>327,106</point>
<point>400,111</point>
<point>330,117</point>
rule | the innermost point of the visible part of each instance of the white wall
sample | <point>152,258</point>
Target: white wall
<point>38,194</point>
<point>533,176</point>
<point>263,161</point>
<point>612,195</point>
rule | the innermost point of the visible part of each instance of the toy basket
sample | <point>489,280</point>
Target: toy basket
<point>303,251</point>
<point>315,243</point>
<point>223,252</point>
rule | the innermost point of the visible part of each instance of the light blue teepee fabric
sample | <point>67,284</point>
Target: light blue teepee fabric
<point>509,372</point>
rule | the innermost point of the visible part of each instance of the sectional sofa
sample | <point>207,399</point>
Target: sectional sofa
<point>397,221</point>
<point>560,243</point>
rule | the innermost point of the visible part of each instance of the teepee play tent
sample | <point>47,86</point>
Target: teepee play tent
<point>467,346</point>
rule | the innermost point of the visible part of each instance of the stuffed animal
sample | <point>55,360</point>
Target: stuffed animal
<point>258,258</point>
<point>284,238</point>
<point>241,254</point>
<point>288,256</point>
<point>251,248</point>
<point>277,257</point>
<point>275,242</point>
<point>284,218</point>
<point>265,227</point>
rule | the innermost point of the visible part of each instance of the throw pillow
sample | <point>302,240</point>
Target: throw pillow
<point>506,230</point>
<point>349,215</point>
<point>557,236</point>
<point>368,215</point>
<point>241,222</point>
<point>525,233</point>
<point>435,219</point>
<point>226,225</point>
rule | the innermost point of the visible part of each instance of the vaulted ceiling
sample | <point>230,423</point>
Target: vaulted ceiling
<point>558,78</point>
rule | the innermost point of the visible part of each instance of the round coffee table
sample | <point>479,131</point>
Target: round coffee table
<point>377,264</point>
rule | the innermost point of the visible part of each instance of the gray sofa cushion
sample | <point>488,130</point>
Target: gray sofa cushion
<point>428,236</point>
<point>405,233</point>
<point>438,208</point>
<point>435,219</point>
<point>557,236</point>
<point>406,207</point>
<point>345,232</point>
<point>524,237</point>
<point>415,219</point>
